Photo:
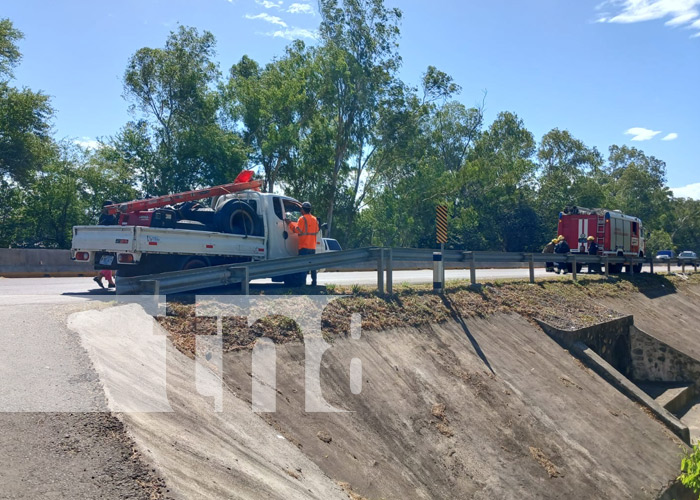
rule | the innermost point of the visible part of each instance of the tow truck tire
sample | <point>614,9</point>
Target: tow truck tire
<point>237,217</point>
<point>195,263</point>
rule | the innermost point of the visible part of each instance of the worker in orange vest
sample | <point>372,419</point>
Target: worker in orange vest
<point>307,228</point>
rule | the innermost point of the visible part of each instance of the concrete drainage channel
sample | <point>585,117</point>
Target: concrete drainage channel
<point>648,371</point>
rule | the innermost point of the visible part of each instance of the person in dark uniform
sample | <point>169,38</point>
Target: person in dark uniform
<point>563,248</point>
<point>593,250</point>
<point>549,248</point>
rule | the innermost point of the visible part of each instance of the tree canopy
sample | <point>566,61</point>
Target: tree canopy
<point>332,123</point>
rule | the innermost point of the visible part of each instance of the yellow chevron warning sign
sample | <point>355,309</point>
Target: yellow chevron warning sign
<point>441,223</point>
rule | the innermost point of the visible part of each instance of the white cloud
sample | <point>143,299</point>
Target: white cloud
<point>269,5</point>
<point>301,8</point>
<point>670,137</point>
<point>293,34</point>
<point>87,143</point>
<point>642,134</point>
<point>268,18</point>
<point>689,191</point>
<point>678,12</point>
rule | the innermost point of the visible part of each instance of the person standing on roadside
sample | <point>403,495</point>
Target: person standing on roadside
<point>106,219</point>
<point>549,248</point>
<point>307,228</point>
<point>562,247</point>
<point>593,250</point>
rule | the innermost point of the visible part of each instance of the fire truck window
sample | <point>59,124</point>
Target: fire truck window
<point>634,228</point>
<point>277,203</point>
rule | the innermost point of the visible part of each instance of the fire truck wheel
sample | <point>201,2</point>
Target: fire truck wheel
<point>637,268</point>
<point>237,217</point>
<point>615,268</point>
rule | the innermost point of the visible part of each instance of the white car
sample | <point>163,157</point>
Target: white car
<point>687,257</point>
<point>331,245</point>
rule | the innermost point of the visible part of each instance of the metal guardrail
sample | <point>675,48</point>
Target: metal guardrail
<point>381,259</point>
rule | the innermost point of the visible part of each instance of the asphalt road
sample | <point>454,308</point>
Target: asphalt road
<point>57,439</point>
<point>15,291</point>
<point>68,290</point>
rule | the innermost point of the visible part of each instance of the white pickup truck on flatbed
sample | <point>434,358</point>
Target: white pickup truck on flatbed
<point>240,227</point>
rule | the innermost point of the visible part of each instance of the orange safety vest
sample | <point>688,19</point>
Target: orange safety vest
<point>307,229</point>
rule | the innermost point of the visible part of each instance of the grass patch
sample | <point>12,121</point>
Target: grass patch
<point>560,302</point>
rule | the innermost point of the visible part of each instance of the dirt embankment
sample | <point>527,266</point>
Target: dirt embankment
<point>462,395</point>
<point>561,303</point>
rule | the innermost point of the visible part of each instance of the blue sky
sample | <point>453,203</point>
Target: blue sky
<point>610,72</point>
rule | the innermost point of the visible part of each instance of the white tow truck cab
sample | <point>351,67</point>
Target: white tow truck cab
<point>240,227</point>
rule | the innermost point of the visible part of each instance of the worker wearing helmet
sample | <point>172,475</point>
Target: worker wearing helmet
<point>549,248</point>
<point>307,228</point>
<point>593,250</point>
<point>562,247</point>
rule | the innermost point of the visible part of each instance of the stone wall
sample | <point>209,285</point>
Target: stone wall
<point>609,340</point>
<point>653,360</point>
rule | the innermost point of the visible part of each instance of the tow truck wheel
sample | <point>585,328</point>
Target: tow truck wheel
<point>237,217</point>
<point>294,280</point>
<point>194,264</point>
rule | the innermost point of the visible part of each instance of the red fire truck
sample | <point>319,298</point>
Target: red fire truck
<point>617,234</point>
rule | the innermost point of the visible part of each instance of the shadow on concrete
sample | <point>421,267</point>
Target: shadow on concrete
<point>90,293</point>
<point>460,321</point>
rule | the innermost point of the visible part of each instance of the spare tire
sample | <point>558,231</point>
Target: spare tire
<point>237,217</point>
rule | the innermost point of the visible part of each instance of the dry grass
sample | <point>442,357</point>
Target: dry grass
<point>559,302</point>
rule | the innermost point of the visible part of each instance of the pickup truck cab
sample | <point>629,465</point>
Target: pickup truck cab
<point>241,227</point>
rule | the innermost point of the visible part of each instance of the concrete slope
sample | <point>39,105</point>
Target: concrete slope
<point>201,453</point>
<point>488,409</point>
<point>672,317</point>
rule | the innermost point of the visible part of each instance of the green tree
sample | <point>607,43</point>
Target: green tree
<point>570,174</point>
<point>175,88</point>
<point>637,185</point>
<point>658,240</point>
<point>497,178</point>
<point>25,143</point>
<point>684,216</point>
<point>274,108</point>
<point>358,59</point>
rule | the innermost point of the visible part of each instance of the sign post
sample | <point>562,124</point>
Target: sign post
<point>441,237</point>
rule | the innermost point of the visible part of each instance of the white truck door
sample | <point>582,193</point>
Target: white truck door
<point>282,242</point>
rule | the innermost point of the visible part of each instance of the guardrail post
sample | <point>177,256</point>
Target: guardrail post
<point>683,266</point>
<point>630,268</point>
<point>607,266</point>
<point>245,281</point>
<point>438,272</point>
<point>472,268</point>
<point>668,265</point>
<point>695,265</point>
<point>244,274</point>
<point>573,268</point>
<point>380,271</point>
<point>531,262</point>
<point>651,265</point>
<point>389,273</point>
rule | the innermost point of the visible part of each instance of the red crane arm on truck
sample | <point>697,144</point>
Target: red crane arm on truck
<point>241,183</point>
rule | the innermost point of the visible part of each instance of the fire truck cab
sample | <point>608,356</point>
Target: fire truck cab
<point>617,234</point>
